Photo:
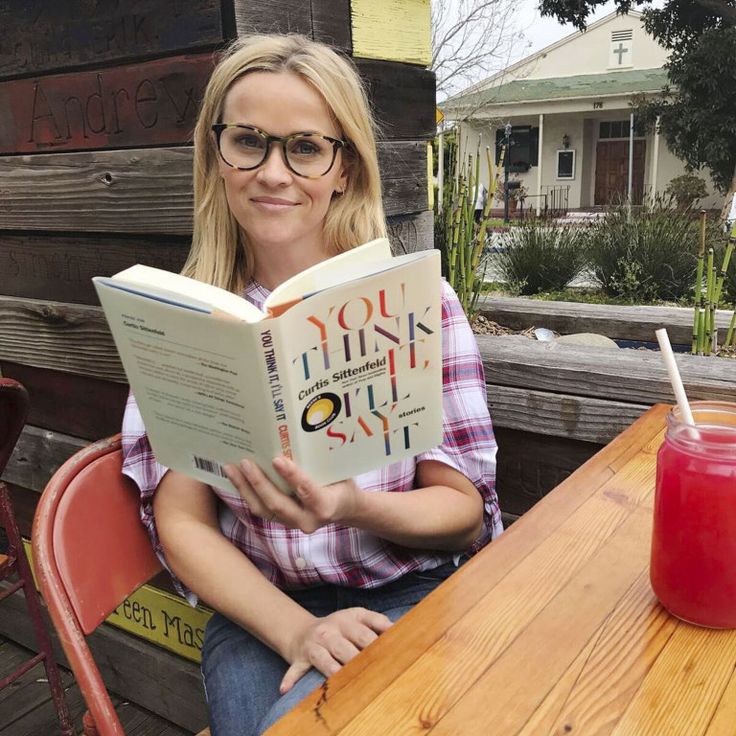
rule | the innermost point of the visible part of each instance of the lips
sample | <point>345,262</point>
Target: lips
<point>273,201</point>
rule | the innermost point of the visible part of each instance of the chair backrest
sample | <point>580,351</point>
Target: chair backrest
<point>13,412</point>
<point>90,552</point>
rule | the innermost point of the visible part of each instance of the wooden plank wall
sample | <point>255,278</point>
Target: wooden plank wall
<point>98,101</point>
<point>556,405</point>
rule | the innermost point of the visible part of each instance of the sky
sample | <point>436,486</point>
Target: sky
<point>541,32</point>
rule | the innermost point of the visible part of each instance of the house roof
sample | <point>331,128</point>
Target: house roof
<point>542,53</point>
<point>562,88</point>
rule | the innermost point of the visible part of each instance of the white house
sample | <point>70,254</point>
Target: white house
<point>570,112</point>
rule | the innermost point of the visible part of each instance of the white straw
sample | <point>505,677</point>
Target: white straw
<point>674,374</point>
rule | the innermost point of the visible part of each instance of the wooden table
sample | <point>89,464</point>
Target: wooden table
<point>552,629</point>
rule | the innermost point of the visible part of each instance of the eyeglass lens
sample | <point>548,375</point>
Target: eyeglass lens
<point>309,155</point>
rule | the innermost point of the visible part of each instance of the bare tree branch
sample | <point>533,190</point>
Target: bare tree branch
<point>471,39</point>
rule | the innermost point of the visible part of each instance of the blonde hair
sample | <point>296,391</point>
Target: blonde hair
<point>219,254</point>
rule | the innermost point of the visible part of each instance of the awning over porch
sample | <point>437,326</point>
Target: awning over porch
<point>584,86</point>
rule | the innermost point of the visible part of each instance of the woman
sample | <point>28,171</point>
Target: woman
<point>285,176</point>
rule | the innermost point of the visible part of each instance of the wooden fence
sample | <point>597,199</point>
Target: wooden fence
<point>98,101</point>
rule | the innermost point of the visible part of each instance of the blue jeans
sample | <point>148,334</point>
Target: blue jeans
<point>242,675</point>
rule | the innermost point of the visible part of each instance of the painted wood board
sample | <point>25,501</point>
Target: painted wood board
<point>614,321</point>
<point>150,190</point>
<point>156,102</point>
<point>528,466</point>
<point>561,415</point>
<point>40,36</point>
<point>149,103</point>
<point>398,30</point>
<point>322,20</point>
<point>638,376</point>
<point>60,268</point>
<point>98,404</point>
<point>403,98</point>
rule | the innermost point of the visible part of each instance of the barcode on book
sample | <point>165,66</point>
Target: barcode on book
<point>209,466</point>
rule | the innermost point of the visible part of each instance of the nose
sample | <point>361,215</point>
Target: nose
<point>274,171</point>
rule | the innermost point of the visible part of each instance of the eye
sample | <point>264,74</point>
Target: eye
<point>244,139</point>
<point>305,147</point>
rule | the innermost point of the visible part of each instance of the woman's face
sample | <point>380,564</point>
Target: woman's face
<point>276,208</point>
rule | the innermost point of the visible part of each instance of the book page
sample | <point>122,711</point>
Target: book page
<point>365,362</point>
<point>198,381</point>
<point>335,270</point>
<point>175,287</point>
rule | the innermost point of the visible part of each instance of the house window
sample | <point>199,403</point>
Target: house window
<point>566,163</point>
<point>523,149</point>
<point>614,129</point>
<point>620,51</point>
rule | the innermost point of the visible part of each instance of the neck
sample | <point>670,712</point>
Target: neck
<point>280,264</point>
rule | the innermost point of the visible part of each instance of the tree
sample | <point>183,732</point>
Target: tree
<point>697,111</point>
<point>470,40</point>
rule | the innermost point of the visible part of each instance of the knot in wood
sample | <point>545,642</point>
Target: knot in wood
<point>53,316</point>
<point>107,179</point>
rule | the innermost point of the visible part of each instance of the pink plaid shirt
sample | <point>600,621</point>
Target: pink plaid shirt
<point>341,555</point>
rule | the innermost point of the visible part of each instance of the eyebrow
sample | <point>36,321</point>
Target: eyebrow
<point>288,135</point>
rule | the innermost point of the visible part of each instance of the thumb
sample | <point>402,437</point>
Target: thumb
<point>293,674</point>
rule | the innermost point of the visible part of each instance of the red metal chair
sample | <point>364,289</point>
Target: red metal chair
<point>90,552</point>
<point>13,413</point>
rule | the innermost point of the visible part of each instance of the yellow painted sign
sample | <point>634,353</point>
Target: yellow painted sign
<point>161,618</point>
<point>395,30</point>
<point>165,619</point>
<point>430,176</point>
<point>439,116</point>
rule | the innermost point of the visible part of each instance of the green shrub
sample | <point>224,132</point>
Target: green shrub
<point>645,254</point>
<point>687,189</point>
<point>540,256</point>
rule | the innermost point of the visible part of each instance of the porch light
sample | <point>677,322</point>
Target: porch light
<point>566,141</point>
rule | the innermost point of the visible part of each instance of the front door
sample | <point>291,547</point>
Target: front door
<point>612,172</point>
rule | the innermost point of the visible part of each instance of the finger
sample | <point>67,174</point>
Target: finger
<point>361,635</point>
<point>374,620</point>
<point>344,650</point>
<point>275,503</point>
<point>235,476</point>
<point>323,661</point>
<point>295,476</point>
<point>307,490</point>
<point>293,675</point>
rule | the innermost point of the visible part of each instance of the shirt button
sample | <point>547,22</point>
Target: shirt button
<point>300,562</point>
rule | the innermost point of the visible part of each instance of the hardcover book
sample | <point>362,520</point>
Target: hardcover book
<point>341,370</point>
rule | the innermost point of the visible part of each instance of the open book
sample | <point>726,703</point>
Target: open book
<point>342,370</point>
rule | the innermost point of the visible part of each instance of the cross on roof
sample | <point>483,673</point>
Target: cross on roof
<point>621,50</point>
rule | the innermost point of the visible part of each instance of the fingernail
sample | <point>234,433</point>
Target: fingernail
<point>246,466</point>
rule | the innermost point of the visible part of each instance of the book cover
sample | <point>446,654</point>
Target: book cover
<point>345,378</point>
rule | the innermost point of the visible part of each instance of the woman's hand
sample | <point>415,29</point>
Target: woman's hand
<point>312,507</point>
<point>329,642</point>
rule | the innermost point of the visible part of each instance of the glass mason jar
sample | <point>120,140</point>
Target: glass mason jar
<point>693,562</point>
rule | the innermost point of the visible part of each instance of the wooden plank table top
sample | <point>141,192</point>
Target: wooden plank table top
<point>552,629</point>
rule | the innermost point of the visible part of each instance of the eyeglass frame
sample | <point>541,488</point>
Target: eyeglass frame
<point>337,144</point>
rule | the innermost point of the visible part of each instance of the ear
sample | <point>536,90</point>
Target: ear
<point>342,182</point>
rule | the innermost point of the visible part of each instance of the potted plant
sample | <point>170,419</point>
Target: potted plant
<point>517,193</point>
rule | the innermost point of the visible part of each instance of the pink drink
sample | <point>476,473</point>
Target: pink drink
<point>693,563</point>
